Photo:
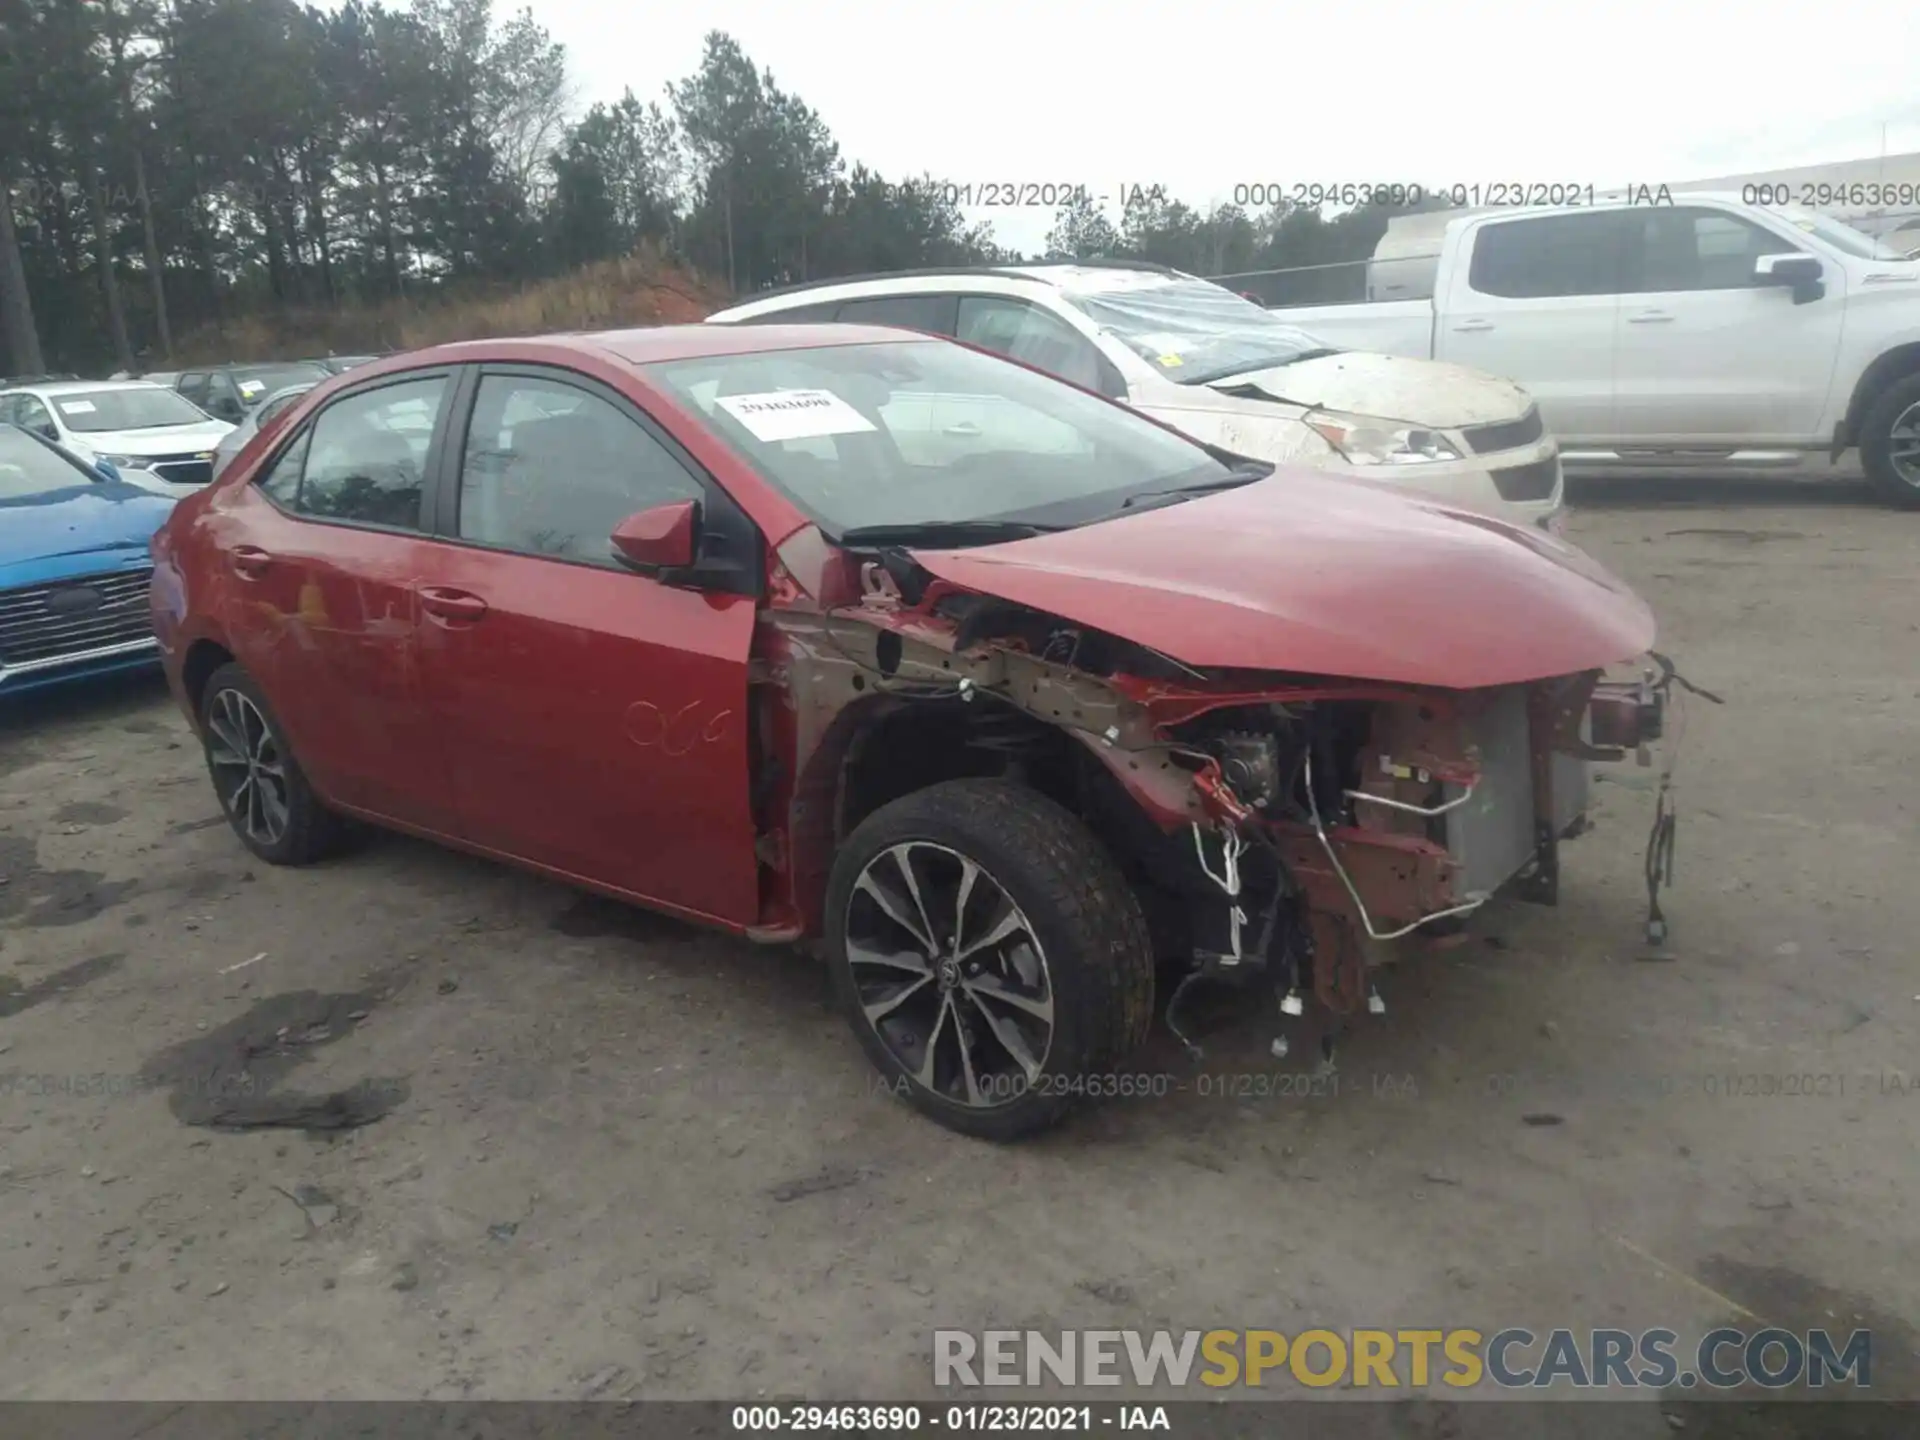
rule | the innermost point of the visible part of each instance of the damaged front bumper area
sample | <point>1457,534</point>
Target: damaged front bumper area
<point>1291,827</point>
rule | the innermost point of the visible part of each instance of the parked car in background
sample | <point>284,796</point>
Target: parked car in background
<point>257,419</point>
<point>228,392</point>
<point>151,436</point>
<point>74,566</point>
<point>1222,369</point>
<point>984,684</point>
<point>1704,334</point>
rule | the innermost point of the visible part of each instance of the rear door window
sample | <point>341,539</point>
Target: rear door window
<point>1029,334</point>
<point>931,313</point>
<point>367,460</point>
<point>1551,255</point>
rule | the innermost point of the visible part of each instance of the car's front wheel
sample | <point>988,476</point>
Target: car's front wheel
<point>261,788</point>
<point>989,954</point>
<point>1890,443</point>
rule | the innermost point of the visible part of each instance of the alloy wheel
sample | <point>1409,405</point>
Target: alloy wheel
<point>1903,445</point>
<point>249,768</point>
<point>949,974</point>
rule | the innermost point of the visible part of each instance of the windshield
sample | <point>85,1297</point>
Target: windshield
<point>138,407</point>
<point>924,433</point>
<point>1194,332</point>
<point>257,382</point>
<point>1842,237</point>
<point>28,468</point>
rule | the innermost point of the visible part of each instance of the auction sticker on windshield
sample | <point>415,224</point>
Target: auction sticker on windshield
<point>794,414</point>
<point>76,407</point>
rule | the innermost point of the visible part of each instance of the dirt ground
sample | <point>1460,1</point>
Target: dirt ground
<point>625,1158</point>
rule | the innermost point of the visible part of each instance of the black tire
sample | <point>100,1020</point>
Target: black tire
<point>1876,442</point>
<point>311,831</point>
<point>1091,934</point>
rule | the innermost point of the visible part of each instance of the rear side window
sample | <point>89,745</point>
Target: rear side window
<point>366,459</point>
<point>1548,256</point>
<point>932,313</point>
<point>1029,334</point>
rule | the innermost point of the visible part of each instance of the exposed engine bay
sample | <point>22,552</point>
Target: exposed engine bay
<point>1285,830</point>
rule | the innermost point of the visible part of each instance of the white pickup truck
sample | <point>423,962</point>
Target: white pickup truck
<point>1699,333</point>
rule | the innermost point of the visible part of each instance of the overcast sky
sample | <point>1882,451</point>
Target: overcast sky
<point>1209,94</point>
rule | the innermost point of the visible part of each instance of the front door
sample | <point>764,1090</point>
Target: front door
<point>323,612</point>
<point>1703,354</point>
<point>595,719</point>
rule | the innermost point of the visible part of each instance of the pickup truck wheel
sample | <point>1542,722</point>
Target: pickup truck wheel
<point>1890,443</point>
<point>261,788</point>
<point>989,955</point>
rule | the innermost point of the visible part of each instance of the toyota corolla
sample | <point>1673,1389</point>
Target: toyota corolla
<point>992,690</point>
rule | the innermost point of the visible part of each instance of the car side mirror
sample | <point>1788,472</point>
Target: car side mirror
<point>1800,273</point>
<point>47,429</point>
<point>658,539</point>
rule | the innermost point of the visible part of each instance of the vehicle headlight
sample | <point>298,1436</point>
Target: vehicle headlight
<point>1369,440</point>
<point>129,462</point>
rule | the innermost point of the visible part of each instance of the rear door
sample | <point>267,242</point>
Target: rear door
<point>1535,302</point>
<point>1704,354</point>
<point>325,550</point>
<point>594,719</point>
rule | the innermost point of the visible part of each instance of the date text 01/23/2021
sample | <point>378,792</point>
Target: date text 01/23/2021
<point>951,1419</point>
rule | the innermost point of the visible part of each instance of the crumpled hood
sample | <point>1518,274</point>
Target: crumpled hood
<point>1320,575</point>
<point>1392,387</point>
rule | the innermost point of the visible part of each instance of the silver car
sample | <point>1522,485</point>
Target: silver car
<point>235,440</point>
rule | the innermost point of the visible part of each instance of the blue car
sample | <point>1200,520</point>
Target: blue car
<point>74,567</point>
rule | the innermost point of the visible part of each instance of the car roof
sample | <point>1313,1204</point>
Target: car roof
<point>91,387</point>
<point>1072,275</point>
<point>645,346</point>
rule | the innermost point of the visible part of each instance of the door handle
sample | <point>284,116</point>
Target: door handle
<point>452,604</point>
<point>250,562</point>
<point>1470,326</point>
<point>1650,317</point>
<point>966,429</point>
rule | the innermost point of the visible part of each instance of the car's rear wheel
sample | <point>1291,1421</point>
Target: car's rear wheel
<point>260,786</point>
<point>1890,443</point>
<point>989,955</point>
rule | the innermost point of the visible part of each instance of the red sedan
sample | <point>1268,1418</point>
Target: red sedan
<point>994,690</point>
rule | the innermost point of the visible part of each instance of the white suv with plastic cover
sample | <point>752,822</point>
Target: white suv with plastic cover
<point>1212,364</point>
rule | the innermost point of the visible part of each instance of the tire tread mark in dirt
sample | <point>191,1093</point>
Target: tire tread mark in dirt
<point>15,997</point>
<point>231,1078</point>
<point>52,897</point>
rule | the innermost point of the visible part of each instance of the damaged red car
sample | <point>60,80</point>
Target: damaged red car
<point>1010,700</point>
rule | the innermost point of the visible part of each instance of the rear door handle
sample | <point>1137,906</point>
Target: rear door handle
<point>1470,326</point>
<point>1650,317</point>
<point>250,562</point>
<point>452,604</point>
<point>966,429</point>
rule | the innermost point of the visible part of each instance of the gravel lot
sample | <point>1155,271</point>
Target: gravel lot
<point>625,1158</point>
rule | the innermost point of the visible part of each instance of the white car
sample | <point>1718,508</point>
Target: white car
<point>154,437</point>
<point>1212,364</point>
<point>235,440</point>
<point>1694,332</point>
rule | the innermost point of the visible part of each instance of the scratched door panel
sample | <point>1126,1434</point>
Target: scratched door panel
<point>595,722</point>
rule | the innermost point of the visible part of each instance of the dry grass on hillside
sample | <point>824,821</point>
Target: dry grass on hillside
<point>638,289</point>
